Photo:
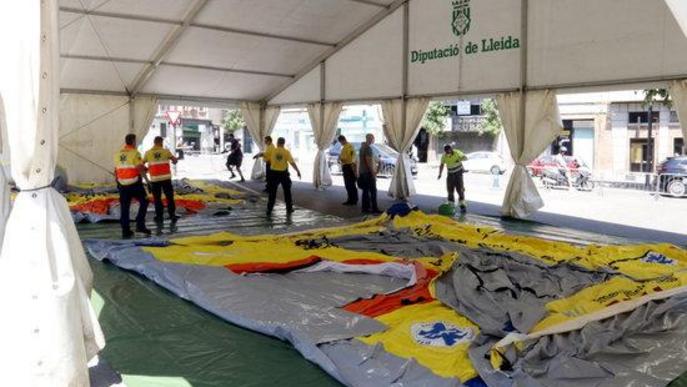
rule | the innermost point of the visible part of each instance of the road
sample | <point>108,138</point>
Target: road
<point>625,208</point>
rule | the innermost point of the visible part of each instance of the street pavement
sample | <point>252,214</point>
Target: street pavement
<point>619,212</point>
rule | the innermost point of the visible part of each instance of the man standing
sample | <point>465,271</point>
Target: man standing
<point>280,158</point>
<point>235,158</point>
<point>454,179</point>
<point>348,167</point>
<point>158,158</point>
<point>367,179</point>
<point>267,158</point>
<point>129,172</point>
<point>562,164</point>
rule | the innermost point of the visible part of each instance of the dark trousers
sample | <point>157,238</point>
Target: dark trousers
<point>158,188</point>
<point>349,181</point>
<point>267,176</point>
<point>454,182</point>
<point>274,179</point>
<point>126,194</point>
<point>368,183</point>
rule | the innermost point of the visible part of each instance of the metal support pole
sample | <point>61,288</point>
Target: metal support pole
<point>523,70</point>
<point>132,115</point>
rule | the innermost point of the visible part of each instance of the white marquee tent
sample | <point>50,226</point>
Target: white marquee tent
<point>116,59</point>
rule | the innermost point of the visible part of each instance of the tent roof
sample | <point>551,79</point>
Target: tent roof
<point>269,50</point>
<point>215,49</point>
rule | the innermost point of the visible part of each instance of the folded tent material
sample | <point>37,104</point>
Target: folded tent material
<point>572,271</point>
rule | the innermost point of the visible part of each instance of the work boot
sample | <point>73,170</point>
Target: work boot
<point>289,210</point>
<point>127,234</point>
<point>174,218</point>
<point>144,230</point>
<point>463,206</point>
<point>232,176</point>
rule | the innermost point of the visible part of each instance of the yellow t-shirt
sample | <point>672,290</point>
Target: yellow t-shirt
<point>267,154</point>
<point>347,155</point>
<point>280,159</point>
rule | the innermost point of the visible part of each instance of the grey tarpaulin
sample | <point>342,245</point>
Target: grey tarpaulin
<point>502,292</point>
<point>646,347</point>
<point>365,365</point>
<point>290,307</point>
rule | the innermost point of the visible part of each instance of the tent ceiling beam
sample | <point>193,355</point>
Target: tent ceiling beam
<point>179,23</point>
<point>174,64</point>
<point>170,42</point>
<point>160,97</point>
<point>370,2</point>
<point>348,39</point>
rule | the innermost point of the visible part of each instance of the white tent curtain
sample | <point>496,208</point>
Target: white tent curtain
<point>679,9</point>
<point>49,329</point>
<point>92,129</point>
<point>5,203</point>
<point>260,122</point>
<point>401,138</point>
<point>324,133</point>
<point>678,92</point>
<point>542,125</point>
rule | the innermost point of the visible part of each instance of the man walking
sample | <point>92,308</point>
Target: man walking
<point>453,159</point>
<point>267,158</point>
<point>235,158</point>
<point>280,158</point>
<point>367,179</point>
<point>158,159</point>
<point>129,172</point>
<point>348,167</point>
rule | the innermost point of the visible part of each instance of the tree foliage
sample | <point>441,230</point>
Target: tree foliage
<point>662,96</point>
<point>492,123</point>
<point>435,118</point>
<point>233,121</point>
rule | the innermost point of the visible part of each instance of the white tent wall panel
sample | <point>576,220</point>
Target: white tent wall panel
<point>322,20</point>
<point>77,36</point>
<point>434,72</point>
<point>173,80</point>
<point>306,89</point>
<point>224,49</point>
<point>131,39</point>
<point>370,66</point>
<point>98,75</point>
<point>579,41</point>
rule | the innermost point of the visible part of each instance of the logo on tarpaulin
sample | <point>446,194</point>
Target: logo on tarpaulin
<point>461,17</point>
<point>440,334</point>
<point>653,257</point>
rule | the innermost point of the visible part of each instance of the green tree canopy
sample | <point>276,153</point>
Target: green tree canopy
<point>233,121</point>
<point>435,117</point>
<point>492,123</point>
<point>662,96</point>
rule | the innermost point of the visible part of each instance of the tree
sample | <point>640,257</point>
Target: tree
<point>435,118</point>
<point>233,121</point>
<point>662,96</point>
<point>492,123</point>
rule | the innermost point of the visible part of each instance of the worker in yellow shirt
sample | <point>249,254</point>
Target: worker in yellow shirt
<point>453,159</point>
<point>129,174</point>
<point>349,170</point>
<point>158,159</point>
<point>280,158</point>
<point>267,158</point>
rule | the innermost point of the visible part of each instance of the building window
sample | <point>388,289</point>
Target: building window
<point>673,117</point>
<point>679,147</point>
<point>639,152</point>
<point>643,117</point>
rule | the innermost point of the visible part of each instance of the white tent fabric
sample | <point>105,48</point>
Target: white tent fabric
<point>324,132</point>
<point>5,202</point>
<point>541,125</point>
<point>678,92</point>
<point>260,122</point>
<point>50,330</point>
<point>679,9</point>
<point>92,129</point>
<point>401,136</point>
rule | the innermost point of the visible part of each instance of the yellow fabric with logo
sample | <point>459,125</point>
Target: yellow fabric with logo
<point>267,154</point>
<point>280,159</point>
<point>433,334</point>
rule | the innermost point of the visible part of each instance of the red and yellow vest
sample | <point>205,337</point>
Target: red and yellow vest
<point>158,163</point>
<point>126,162</point>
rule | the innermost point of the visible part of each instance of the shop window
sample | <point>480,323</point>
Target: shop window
<point>679,147</point>
<point>639,152</point>
<point>673,117</point>
<point>643,117</point>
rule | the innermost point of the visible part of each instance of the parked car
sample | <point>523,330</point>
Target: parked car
<point>537,166</point>
<point>387,158</point>
<point>673,176</point>
<point>490,162</point>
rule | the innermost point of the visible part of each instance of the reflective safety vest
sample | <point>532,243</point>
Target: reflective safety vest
<point>126,161</point>
<point>158,163</point>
